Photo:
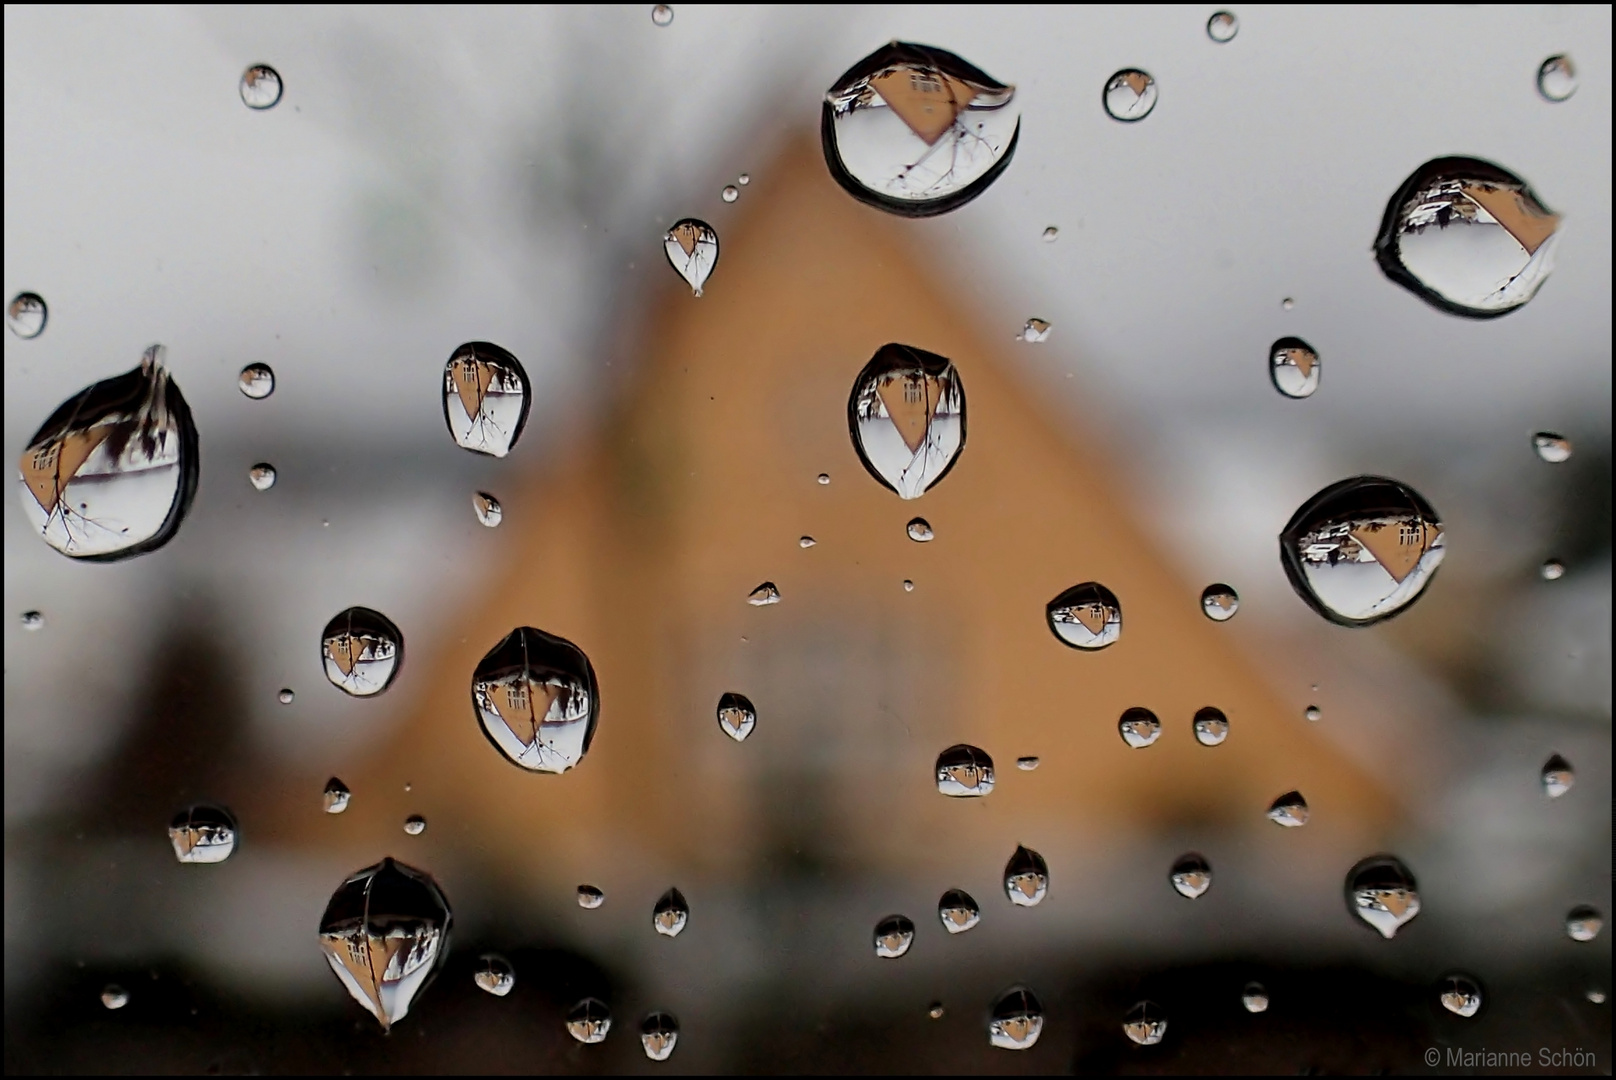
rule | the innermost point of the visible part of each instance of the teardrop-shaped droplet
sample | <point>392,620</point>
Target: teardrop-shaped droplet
<point>256,381</point>
<point>1138,727</point>
<point>590,898</point>
<point>917,131</point>
<point>1362,550</point>
<point>736,716</point>
<point>336,796</point>
<point>692,248</point>
<point>1254,997</point>
<point>535,696</point>
<point>670,914</point>
<point>384,933</point>
<point>1035,331</point>
<point>1219,602</point>
<point>1289,810</point>
<point>1026,764</point>
<point>1211,727</point>
<point>114,996</point>
<point>958,911</point>
<point>1557,777</point>
<point>1129,95</point>
<point>964,771</point>
<point>659,1034</point>
<point>260,87</point>
<point>1191,876</point>
<point>1460,995</point>
<point>919,530</point>
<point>111,474</point>
<point>1222,27</point>
<point>486,397</point>
<point>730,193</point>
<point>1557,78</point>
<point>1145,1024</point>
<point>1468,237</point>
<point>415,825</point>
<point>893,936</point>
<point>203,834</point>
<point>1017,1021</point>
<point>487,509</point>
<point>661,15</point>
<point>1583,923</point>
<point>589,1021</point>
<point>1086,616</point>
<point>1381,892</point>
<point>1551,447</point>
<point>26,315</point>
<point>764,595</point>
<point>1026,877</point>
<point>907,418</point>
<point>1313,712</point>
<point>362,651</point>
<point>262,476</point>
<point>1294,367</point>
<point>33,620</point>
<point>495,974</point>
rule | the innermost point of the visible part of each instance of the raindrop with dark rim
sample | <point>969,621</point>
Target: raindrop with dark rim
<point>486,398</point>
<point>362,651</point>
<point>906,416</point>
<point>535,697</point>
<point>385,933</point>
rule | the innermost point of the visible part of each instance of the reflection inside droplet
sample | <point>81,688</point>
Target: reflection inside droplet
<point>1557,78</point>
<point>256,381</point>
<point>384,933</point>
<point>1138,727</point>
<point>260,87</point>
<point>589,1021</point>
<point>1191,876</point>
<point>736,716</point>
<point>336,796</point>
<point>1026,877</point>
<point>958,911</point>
<point>262,476</point>
<point>1381,891</point>
<point>1211,727</point>
<point>203,834</point>
<point>893,936</point>
<point>670,914</point>
<point>1254,997</point>
<point>964,771</point>
<point>692,250</point>
<point>495,974</point>
<point>1460,995</point>
<point>1219,602</point>
<point>535,696</point>
<point>361,651</point>
<point>25,315</point>
<point>1017,1021</point>
<point>1129,95</point>
<point>659,1034</point>
<point>1086,616</point>
<point>1289,810</point>
<point>1583,923</point>
<point>1145,1024</point>
<point>487,509</point>
<point>486,398</point>
<point>907,416</point>
<point>1557,777</point>
<point>1294,367</point>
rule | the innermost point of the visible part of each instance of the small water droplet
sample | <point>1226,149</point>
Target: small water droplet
<point>486,397</point>
<point>907,416</point>
<point>908,586</point>
<point>203,834</point>
<point>1017,1021</point>
<point>1557,78</point>
<point>1222,27</point>
<point>1557,777</point>
<point>286,696</point>
<point>336,796</point>
<point>893,936</point>
<point>731,193</point>
<point>1219,602</point>
<point>362,651</point>
<point>33,620</point>
<point>659,1034</point>
<point>1050,234</point>
<point>692,248</point>
<point>590,898</point>
<point>495,974</point>
<point>256,381</point>
<point>743,179</point>
<point>1294,366</point>
<point>1596,996</point>
<point>670,914</point>
<point>589,1021</point>
<point>736,716</point>
<point>260,87</point>
<point>535,696</point>
<point>487,509</point>
<point>1191,876</point>
<point>1583,923</point>
<point>1381,891</point>
<point>1026,764</point>
<point>1312,712</point>
<point>1086,616</point>
<point>1468,237</point>
<point>1145,1024</point>
<point>662,15</point>
<point>764,595</point>
<point>1139,727</point>
<point>964,771</point>
<point>919,530</point>
<point>415,825</point>
<point>824,478</point>
<point>111,473</point>
<point>1362,550</point>
<point>1034,331</point>
<point>935,1010</point>
<point>262,476</point>
<point>1287,304</point>
<point>1460,995</point>
<point>1254,997</point>
<point>384,934</point>
<point>1129,95</point>
<point>917,131</point>
<point>806,542</point>
<point>958,911</point>
<point>1551,447</point>
<point>26,314</point>
<point>1211,727</point>
<point>1552,570</point>
<point>408,787</point>
<point>1289,810</point>
<point>114,996</point>
<point>1026,877</point>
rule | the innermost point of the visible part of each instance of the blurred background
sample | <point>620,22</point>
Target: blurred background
<point>431,177</point>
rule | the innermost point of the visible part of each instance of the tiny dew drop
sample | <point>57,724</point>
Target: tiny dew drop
<point>1211,727</point>
<point>26,314</point>
<point>1294,367</point>
<point>1086,616</point>
<point>1460,995</point>
<point>1026,877</point>
<point>1129,95</point>
<point>963,771</point>
<point>824,478</point>
<point>1254,997</point>
<point>590,898</point>
<point>1139,727</point>
<point>362,651</point>
<point>1553,570</point>
<point>1219,602</point>
<point>1551,447</point>
<point>671,914</point>
<point>1027,764</point>
<point>1050,234</point>
<point>731,193</point>
<point>1557,777</point>
<point>286,696</point>
<point>415,825</point>
<point>1017,1021</point>
<point>935,1010</point>
<point>958,911</point>
<point>260,87</point>
<point>919,530</point>
<point>203,834</point>
<point>1557,78</point>
<point>262,476</point>
<point>1034,331</point>
<point>736,716</point>
<point>1289,810</point>
<point>1222,27</point>
<point>806,542</point>
<point>908,586</point>
<point>1287,303</point>
<point>661,15</point>
<point>743,179</point>
<point>1381,891</point>
<point>384,933</point>
<point>256,381</point>
<point>1191,876</point>
<point>33,620</point>
<point>114,996</point>
<point>1595,995</point>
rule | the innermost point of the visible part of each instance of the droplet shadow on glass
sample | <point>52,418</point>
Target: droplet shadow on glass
<point>1381,892</point>
<point>536,700</point>
<point>1129,95</point>
<point>384,933</point>
<point>361,651</point>
<point>26,315</point>
<point>692,250</point>
<point>906,416</point>
<point>1026,877</point>
<point>486,398</point>
<point>203,834</point>
<point>671,914</point>
<point>963,771</point>
<point>1294,367</point>
<point>1086,616</point>
<point>893,936</point>
<point>1138,727</point>
<point>1017,1020</point>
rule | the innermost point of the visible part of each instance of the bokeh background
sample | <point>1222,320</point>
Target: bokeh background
<point>435,176</point>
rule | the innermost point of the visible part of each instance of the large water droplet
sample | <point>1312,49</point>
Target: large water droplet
<point>256,381</point>
<point>1211,726</point>
<point>1583,923</point>
<point>362,651</point>
<point>1145,1024</point>
<point>486,397</point>
<point>1381,892</point>
<point>590,898</point>
<point>661,15</point>
<point>1129,95</point>
<point>1018,1020</point>
<point>893,936</point>
<point>1254,997</point>
<point>535,696</point>
<point>1551,447</point>
<point>1289,810</point>
<point>1460,995</point>
<point>964,771</point>
<point>670,914</point>
<point>1086,616</point>
<point>487,509</point>
<point>1191,876</point>
<point>919,530</point>
<point>907,418</point>
<point>495,974</point>
<point>1035,331</point>
<point>589,1021</point>
<point>692,248</point>
<point>415,825</point>
<point>1362,550</point>
<point>1557,78</point>
<point>1222,26</point>
<point>1026,877</point>
<point>764,595</point>
<point>1294,366</point>
<point>384,933</point>
<point>1219,602</point>
<point>262,476</point>
<point>26,314</point>
<point>336,796</point>
<point>260,87</point>
<point>114,996</point>
<point>958,911</point>
<point>1026,764</point>
<point>33,620</point>
<point>1138,727</point>
<point>111,474</point>
<point>1557,777</point>
<point>730,193</point>
<point>1551,570</point>
<point>1468,237</point>
<point>203,834</point>
<point>736,716</point>
<point>659,1034</point>
<point>918,131</point>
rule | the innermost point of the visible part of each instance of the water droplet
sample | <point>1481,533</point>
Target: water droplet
<point>1381,892</point>
<point>1026,764</point>
<point>336,796</point>
<point>1219,602</point>
<point>1086,616</point>
<point>1557,78</point>
<point>1254,997</point>
<point>487,509</point>
<point>919,530</point>
<point>917,131</point>
<point>1145,1024</point>
<point>285,697</point>
<point>589,1021</point>
<point>384,933</point>
<point>1026,877</point>
<point>33,620</point>
<point>1295,367</point>
<point>1191,876</point>
<point>893,936</point>
<point>1139,727</point>
<point>26,315</point>
<point>1552,570</point>
<point>203,834</point>
<point>806,542</point>
<point>111,474</point>
<point>662,15</point>
<point>1289,810</point>
<point>764,595</point>
<point>1551,447</point>
<point>1460,995</point>
<point>659,1034</point>
<point>536,699</point>
<point>1129,95</point>
<point>256,381</point>
<point>743,179</point>
<point>1051,234</point>
<point>964,771</point>
<point>731,193</point>
<point>114,996</point>
<point>907,418</point>
<point>1287,303</point>
<point>1312,712</point>
<point>486,396</point>
<point>260,87</point>
<point>590,898</point>
<point>692,248</point>
<point>1362,550</point>
<point>1018,1020</point>
<point>1035,331</point>
<point>736,716</point>
<point>824,478</point>
<point>262,476</point>
<point>1211,726</point>
<point>362,651</point>
<point>1583,923</point>
<point>908,586</point>
<point>1222,27</point>
<point>670,914</point>
<point>1557,777</point>
<point>1468,237</point>
<point>495,974</point>
<point>1596,996</point>
<point>935,1010</point>
<point>415,825</point>
<point>957,911</point>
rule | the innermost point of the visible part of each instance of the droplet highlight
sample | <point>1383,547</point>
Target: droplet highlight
<point>659,1034</point>
<point>384,933</point>
<point>670,914</point>
<point>893,936</point>
<point>262,476</point>
<point>494,975</point>
<point>1381,892</point>
<point>1145,1024</point>
<point>361,651</point>
<point>1138,727</point>
<point>1129,95</point>
<point>1034,331</point>
<point>486,397</point>
<point>1026,877</point>
<point>1460,995</point>
<point>692,249</point>
<point>1289,810</point>
<point>736,716</point>
<point>1583,923</point>
<point>415,825</point>
<point>590,898</point>
<point>1017,1021</point>
<point>1086,616</point>
<point>260,87</point>
<point>957,911</point>
<point>919,530</point>
<point>764,595</point>
<point>589,1021</point>
<point>486,507</point>
<point>1211,727</point>
<point>535,697</point>
<point>1254,997</point>
<point>963,771</point>
<point>906,415</point>
<point>1219,602</point>
<point>1294,367</point>
<point>1222,27</point>
<point>336,796</point>
<point>1191,876</point>
<point>203,835</point>
<point>26,314</point>
<point>114,996</point>
<point>1557,777</point>
<point>1557,78</point>
<point>1551,447</point>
